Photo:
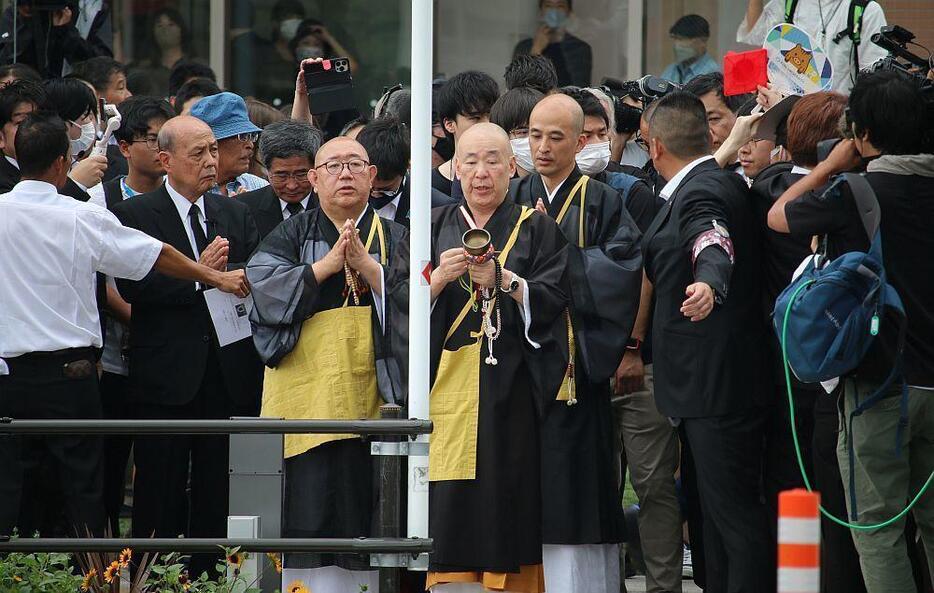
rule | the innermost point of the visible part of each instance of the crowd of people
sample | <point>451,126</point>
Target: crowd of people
<point>604,266</point>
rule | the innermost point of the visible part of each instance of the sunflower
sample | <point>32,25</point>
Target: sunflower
<point>297,587</point>
<point>276,561</point>
<point>112,572</point>
<point>125,556</point>
<point>86,583</point>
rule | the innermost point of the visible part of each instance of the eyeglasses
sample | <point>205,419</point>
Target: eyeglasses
<point>355,166</point>
<point>152,142</point>
<point>248,137</point>
<point>284,176</point>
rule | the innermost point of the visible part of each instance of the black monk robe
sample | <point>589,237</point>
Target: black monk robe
<point>485,511</point>
<point>328,483</point>
<point>580,494</point>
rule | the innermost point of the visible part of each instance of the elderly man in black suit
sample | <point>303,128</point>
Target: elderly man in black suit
<point>709,340</point>
<point>177,367</point>
<point>287,149</point>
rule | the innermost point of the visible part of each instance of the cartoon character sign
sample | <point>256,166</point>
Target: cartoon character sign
<point>796,64</point>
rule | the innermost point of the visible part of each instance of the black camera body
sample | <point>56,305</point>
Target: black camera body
<point>645,90</point>
<point>913,67</point>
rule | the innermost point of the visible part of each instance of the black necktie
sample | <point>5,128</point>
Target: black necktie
<point>201,241</point>
<point>294,208</point>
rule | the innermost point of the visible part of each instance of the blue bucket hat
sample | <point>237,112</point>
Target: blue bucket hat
<point>226,115</point>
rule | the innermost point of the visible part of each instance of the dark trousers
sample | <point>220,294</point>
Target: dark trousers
<point>37,388</point>
<point>166,501</point>
<point>693,515</point>
<point>727,454</point>
<point>115,400</point>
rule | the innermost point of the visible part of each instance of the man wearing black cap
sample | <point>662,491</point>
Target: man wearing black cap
<point>689,35</point>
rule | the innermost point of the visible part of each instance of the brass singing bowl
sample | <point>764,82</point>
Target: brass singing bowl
<point>476,242</point>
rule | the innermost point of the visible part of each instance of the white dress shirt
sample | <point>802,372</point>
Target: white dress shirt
<point>183,205</point>
<point>823,30</point>
<point>672,186</point>
<point>551,194</point>
<point>284,206</point>
<point>51,246</point>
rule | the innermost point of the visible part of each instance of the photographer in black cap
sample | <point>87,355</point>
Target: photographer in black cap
<point>888,118</point>
<point>44,34</point>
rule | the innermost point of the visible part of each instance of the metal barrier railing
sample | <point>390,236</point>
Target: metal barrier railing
<point>388,514</point>
<point>245,426</point>
<point>206,544</point>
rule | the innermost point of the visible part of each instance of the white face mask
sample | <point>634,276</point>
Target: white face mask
<point>594,158</point>
<point>523,153</point>
<point>305,53</point>
<point>288,28</point>
<point>87,138</point>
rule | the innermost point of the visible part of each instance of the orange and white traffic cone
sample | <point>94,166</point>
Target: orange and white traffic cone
<point>798,542</point>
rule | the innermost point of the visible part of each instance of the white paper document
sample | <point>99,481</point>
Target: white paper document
<point>230,315</point>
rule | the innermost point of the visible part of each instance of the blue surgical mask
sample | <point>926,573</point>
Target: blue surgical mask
<point>555,18</point>
<point>288,28</point>
<point>684,52</point>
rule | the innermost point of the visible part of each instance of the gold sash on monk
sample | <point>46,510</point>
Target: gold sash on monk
<point>567,391</point>
<point>454,404</point>
<point>330,374</point>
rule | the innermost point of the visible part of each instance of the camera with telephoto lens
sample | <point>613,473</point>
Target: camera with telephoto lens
<point>645,90</point>
<point>895,40</point>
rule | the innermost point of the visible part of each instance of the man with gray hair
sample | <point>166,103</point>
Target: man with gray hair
<point>287,149</point>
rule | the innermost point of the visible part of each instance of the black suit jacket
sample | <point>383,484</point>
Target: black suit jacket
<point>171,333</point>
<point>266,209</point>
<point>718,365</point>
<point>10,176</point>
<point>403,210</point>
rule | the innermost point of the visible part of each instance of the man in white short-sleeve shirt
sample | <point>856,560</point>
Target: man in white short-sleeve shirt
<point>51,246</point>
<point>826,21</point>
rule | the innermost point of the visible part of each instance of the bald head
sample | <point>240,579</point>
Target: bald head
<point>484,165</point>
<point>341,145</point>
<point>484,134</point>
<point>179,127</point>
<point>188,154</point>
<point>343,194</point>
<point>556,135</point>
<point>559,109</point>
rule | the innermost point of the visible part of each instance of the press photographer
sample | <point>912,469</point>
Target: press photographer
<point>45,35</point>
<point>891,447</point>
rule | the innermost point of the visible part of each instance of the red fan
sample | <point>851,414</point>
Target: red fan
<point>744,72</point>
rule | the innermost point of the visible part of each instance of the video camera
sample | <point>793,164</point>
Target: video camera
<point>645,90</point>
<point>895,40</point>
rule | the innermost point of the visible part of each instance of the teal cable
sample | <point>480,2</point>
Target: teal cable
<point>794,434</point>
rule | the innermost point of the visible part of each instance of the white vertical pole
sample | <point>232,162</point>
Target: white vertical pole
<point>420,255</point>
<point>217,39</point>
<point>634,34</point>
